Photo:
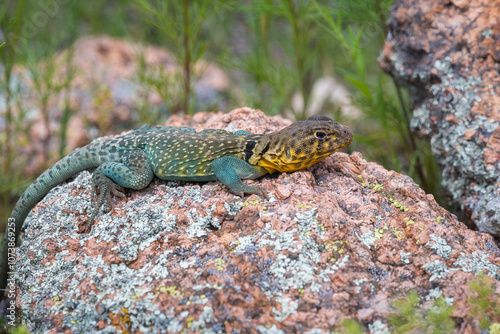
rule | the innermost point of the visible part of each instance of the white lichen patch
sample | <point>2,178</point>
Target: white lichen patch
<point>487,33</point>
<point>333,269</point>
<point>306,222</point>
<point>444,65</point>
<point>199,224</point>
<point>293,273</point>
<point>440,246</point>
<point>478,264</point>
<point>280,241</point>
<point>378,327</point>
<point>160,269</point>
<point>271,330</point>
<point>187,264</point>
<point>358,282</point>
<point>436,269</point>
<point>189,195</point>
<point>316,331</point>
<point>435,294</point>
<point>405,257</point>
<point>367,238</point>
<point>288,306</point>
<point>233,208</point>
<point>203,321</point>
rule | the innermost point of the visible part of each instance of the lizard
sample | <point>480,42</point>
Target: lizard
<point>181,153</point>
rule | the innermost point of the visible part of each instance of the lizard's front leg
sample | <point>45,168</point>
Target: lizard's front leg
<point>134,171</point>
<point>230,170</point>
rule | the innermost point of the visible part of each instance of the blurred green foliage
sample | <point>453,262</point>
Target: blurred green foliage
<point>485,303</point>
<point>274,51</point>
<point>411,314</point>
<point>411,317</point>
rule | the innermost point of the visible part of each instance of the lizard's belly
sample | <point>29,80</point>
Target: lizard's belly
<point>196,178</point>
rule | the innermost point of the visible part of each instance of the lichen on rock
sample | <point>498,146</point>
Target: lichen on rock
<point>448,54</point>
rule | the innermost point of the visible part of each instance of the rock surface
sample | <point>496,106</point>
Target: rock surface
<point>448,53</point>
<point>339,240</point>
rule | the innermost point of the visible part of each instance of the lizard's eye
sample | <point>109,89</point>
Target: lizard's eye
<point>320,135</point>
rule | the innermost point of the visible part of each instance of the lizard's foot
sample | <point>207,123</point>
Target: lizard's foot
<point>230,170</point>
<point>247,189</point>
<point>106,187</point>
<point>261,192</point>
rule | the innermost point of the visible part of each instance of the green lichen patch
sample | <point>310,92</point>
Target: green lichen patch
<point>380,189</point>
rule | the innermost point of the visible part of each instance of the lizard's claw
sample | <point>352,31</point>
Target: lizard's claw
<point>257,190</point>
<point>117,191</point>
<point>106,187</point>
<point>263,193</point>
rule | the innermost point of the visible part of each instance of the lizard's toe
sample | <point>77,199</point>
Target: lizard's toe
<point>257,190</point>
<point>261,192</point>
<point>105,187</point>
<point>264,194</point>
<point>117,190</point>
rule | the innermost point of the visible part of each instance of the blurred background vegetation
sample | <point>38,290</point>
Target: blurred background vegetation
<point>276,52</point>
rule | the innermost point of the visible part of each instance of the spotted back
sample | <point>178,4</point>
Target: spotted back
<point>188,156</point>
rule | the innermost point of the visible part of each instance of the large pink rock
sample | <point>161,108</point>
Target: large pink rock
<point>339,240</point>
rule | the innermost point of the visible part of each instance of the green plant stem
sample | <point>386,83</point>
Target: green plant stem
<point>378,8</point>
<point>418,163</point>
<point>46,139</point>
<point>299,57</point>
<point>8,117</point>
<point>187,57</point>
<point>264,20</point>
<point>8,61</point>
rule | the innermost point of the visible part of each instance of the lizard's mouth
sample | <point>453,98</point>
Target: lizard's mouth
<point>340,140</point>
<point>292,161</point>
<point>345,137</point>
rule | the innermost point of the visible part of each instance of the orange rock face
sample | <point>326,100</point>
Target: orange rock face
<point>339,240</point>
<point>448,54</point>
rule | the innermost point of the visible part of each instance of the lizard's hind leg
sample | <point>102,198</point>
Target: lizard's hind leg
<point>134,171</point>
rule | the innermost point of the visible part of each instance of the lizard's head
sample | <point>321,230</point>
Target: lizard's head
<point>302,144</point>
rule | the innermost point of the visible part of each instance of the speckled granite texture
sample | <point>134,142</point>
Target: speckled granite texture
<point>448,53</point>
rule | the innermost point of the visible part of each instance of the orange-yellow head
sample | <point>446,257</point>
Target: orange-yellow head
<point>301,144</point>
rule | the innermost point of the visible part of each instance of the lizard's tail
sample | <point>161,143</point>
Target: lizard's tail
<point>75,162</point>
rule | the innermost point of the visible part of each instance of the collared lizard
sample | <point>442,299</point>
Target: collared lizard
<point>174,153</point>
